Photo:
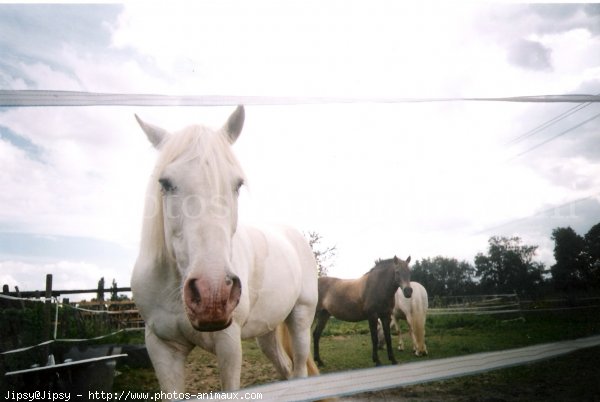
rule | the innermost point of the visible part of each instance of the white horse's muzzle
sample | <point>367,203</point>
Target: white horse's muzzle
<point>209,304</point>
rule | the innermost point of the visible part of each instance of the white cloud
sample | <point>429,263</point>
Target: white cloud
<point>85,184</point>
<point>420,179</point>
<point>312,48</point>
<point>47,78</point>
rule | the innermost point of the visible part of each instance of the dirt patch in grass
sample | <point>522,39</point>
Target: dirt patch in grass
<point>202,374</point>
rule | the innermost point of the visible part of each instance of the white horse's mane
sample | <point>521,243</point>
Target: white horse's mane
<point>213,147</point>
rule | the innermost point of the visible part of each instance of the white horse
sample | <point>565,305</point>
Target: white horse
<point>203,280</point>
<point>414,311</point>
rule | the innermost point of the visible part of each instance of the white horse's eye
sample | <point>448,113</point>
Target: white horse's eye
<point>167,185</point>
<point>238,185</point>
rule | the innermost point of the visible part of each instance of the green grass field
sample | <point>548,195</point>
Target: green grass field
<point>347,346</point>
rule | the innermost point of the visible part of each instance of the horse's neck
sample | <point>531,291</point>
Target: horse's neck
<point>383,281</point>
<point>156,261</point>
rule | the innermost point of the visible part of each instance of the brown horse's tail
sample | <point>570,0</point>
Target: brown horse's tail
<point>283,334</point>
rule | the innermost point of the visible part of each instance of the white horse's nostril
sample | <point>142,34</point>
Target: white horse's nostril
<point>195,292</point>
<point>231,279</point>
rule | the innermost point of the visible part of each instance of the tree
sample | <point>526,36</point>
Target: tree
<point>323,257</point>
<point>443,276</point>
<point>114,295</point>
<point>592,254</point>
<point>571,268</point>
<point>509,267</point>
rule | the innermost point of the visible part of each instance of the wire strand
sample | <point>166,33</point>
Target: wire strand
<point>556,136</point>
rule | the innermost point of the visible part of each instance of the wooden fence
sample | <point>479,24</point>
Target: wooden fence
<point>49,292</point>
<point>33,317</point>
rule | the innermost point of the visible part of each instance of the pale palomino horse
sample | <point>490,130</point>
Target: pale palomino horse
<point>203,280</point>
<point>414,311</point>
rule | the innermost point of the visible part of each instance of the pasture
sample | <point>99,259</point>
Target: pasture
<point>346,346</point>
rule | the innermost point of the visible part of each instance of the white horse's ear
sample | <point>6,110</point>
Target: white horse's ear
<point>235,123</point>
<point>408,259</point>
<point>155,134</point>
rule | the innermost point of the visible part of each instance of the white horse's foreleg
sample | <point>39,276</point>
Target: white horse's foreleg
<point>411,331</point>
<point>228,348</point>
<point>298,323</point>
<point>168,359</point>
<point>274,351</point>
<point>400,341</point>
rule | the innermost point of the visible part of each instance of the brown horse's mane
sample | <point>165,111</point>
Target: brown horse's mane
<point>380,264</point>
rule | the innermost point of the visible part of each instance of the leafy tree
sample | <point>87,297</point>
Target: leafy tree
<point>571,269</point>
<point>323,256</point>
<point>114,294</point>
<point>509,267</point>
<point>592,253</point>
<point>443,276</point>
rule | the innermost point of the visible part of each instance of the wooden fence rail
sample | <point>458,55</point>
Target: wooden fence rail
<point>48,293</point>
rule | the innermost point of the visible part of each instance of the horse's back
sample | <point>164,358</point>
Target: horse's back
<point>282,245</point>
<point>342,298</point>
<point>299,258</point>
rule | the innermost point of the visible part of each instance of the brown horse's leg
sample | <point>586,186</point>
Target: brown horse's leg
<point>373,329</point>
<point>385,323</point>
<point>322,318</point>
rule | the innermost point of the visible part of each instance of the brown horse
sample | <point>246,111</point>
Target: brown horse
<point>369,297</point>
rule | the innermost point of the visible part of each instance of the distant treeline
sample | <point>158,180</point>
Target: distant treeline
<point>508,266</point>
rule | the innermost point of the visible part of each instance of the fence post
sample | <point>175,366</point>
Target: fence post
<point>21,302</point>
<point>48,307</point>
<point>5,290</point>
<point>100,294</point>
<point>520,307</point>
<point>66,318</point>
<point>48,294</point>
<point>47,313</point>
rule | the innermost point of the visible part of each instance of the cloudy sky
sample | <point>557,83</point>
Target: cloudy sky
<point>374,179</point>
